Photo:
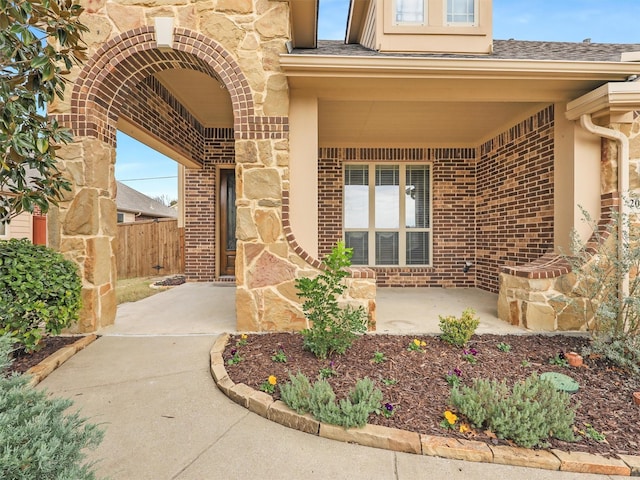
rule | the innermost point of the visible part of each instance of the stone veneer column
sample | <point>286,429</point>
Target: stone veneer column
<point>83,227</point>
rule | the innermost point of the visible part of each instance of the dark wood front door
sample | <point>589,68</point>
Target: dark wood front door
<point>227,198</point>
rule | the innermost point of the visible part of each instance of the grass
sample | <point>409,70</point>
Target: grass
<point>134,289</point>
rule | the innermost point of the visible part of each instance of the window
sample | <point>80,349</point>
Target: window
<point>4,230</point>
<point>461,12</point>
<point>387,221</point>
<point>409,11</point>
<point>120,217</point>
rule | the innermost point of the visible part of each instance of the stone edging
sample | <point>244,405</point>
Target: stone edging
<point>42,370</point>
<point>411,442</point>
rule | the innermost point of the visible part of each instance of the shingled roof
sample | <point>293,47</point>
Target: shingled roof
<point>502,49</point>
<point>133,201</point>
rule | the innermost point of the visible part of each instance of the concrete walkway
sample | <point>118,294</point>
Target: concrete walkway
<point>165,419</point>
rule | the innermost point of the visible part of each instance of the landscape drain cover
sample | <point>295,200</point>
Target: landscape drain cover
<point>561,381</point>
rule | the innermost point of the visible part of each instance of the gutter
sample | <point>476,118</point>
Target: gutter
<point>623,187</point>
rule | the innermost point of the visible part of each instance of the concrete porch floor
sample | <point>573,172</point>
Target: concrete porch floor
<point>209,308</point>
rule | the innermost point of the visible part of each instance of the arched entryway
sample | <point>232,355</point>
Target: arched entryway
<point>161,98</point>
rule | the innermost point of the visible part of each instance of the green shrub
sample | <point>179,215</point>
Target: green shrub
<point>39,292</point>
<point>38,439</point>
<point>458,331</point>
<point>528,414</point>
<point>319,399</point>
<point>333,329</point>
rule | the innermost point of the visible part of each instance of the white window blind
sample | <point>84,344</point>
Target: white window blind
<point>409,11</point>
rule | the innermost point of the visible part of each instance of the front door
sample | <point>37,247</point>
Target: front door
<point>227,199</point>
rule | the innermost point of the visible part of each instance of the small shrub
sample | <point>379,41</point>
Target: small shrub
<point>39,292</point>
<point>458,331</point>
<point>319,399</point>
<point>559,360</point>
<point>504,347</point>
<point>379,357</point>
<point>528,414</point>
<point>333,329</point>
<point>39,438</point>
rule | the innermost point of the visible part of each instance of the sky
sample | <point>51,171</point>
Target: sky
<point>603,21</point>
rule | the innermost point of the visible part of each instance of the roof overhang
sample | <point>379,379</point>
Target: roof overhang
<point>384,99</point>
<point>355,19</point>
<point>304,23</point>
<point>611,100</point>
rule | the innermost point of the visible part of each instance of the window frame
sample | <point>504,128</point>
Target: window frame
<point>447,23</point>
<point>4,234</point>
<point>402,229</point>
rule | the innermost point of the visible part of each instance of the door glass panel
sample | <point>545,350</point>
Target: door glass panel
<point>356,196</point>
<point>231,211</point>
<point>387,197</point>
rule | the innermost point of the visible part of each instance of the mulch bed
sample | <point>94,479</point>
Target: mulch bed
<point>421,393</point>
<point>24,361</point>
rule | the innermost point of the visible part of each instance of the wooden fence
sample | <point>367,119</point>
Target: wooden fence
<point>150,247</point>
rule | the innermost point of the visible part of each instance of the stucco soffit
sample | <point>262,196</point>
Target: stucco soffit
<point>360,66</point>
<point>613,97</point>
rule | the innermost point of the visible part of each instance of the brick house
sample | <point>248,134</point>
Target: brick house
<point>445,158</point>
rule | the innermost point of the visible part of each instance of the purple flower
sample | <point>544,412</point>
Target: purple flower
<point>471,351</point>
<point>234,351</point>
<point>457,372</point>
<point>389,407</point>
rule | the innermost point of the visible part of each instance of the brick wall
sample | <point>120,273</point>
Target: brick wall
<point>200,234</point>
<point>155,110</point>
<point>453,172</point>
<point>492,205</point>
<point>515,197</point>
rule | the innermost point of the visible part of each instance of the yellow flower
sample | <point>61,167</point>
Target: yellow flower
<point>416,342</point>
<point>423,343</point>
<point>243,336</point>
<point>272,380</point>
<point>451,417</point>
<point>464,428</point>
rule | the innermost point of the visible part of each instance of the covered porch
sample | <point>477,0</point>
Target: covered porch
<point>209,308</point>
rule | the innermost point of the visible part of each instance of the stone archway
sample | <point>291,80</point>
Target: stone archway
<point>83,226</point>
<point>245,61</point>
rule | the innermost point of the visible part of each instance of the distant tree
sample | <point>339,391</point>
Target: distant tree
<point>40,40</point>
<point>165,200</point>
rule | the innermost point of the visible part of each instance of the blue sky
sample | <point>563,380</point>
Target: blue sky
<point>604,21</point>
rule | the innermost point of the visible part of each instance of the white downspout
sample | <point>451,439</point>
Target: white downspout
<point>623,186</point>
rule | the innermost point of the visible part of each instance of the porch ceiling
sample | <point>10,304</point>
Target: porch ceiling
<point>416,122</point>
<point>206,99</point>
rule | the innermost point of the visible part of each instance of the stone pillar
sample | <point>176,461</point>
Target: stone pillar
<point>83,227</point>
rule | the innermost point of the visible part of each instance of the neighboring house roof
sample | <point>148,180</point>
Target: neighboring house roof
<point>130,200</point>
<point>502,50</point>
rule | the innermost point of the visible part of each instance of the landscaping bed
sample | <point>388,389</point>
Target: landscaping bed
<point>24,361</point>
<point>414,384</point>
